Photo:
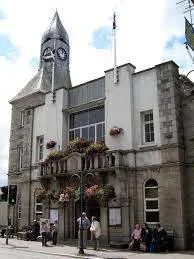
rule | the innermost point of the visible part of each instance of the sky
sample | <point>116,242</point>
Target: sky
<point>148,33</point>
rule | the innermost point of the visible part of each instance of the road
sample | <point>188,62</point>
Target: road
<point>12,253</point>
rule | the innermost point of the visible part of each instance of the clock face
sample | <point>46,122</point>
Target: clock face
<point>47,52</point>
<point>62,53</point>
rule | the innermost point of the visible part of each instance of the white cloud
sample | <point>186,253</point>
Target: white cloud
<point>143,27</point>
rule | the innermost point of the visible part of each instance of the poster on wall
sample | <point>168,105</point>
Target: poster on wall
<point>53,215</point>
<point>114,216</point>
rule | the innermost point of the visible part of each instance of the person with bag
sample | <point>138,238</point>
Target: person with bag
<point>136,238</point>
<point>95,233</point>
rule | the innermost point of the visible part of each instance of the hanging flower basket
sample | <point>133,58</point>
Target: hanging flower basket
<point>70,192</point>
<point>51,144</point>
<point>101,194</point>
<point>63,197</point>
<point>115,131</point>
<point>95,148</point>
<point>47,194</point>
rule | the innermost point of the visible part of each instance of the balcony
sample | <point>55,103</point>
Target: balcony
<point>76,162</point>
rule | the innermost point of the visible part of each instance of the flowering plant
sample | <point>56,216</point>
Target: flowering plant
<point>47,194</point>
<point>115,131</point>
<point>55,155</point>
<point>50,144</point>
<point>77,145</point>
<point>97,147</point>
<point>92,191</point>
<point>101,194</point>
<point>71,191</point>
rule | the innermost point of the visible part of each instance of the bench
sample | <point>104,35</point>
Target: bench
<point>169,240</point>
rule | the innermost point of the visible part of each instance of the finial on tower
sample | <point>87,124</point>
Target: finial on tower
<point>55,30</point>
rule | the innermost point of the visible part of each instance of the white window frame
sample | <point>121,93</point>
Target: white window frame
<point>38,212</point>
<point>20,158</point>
<point>22,114</point>
<point>151,199</point>
<point>87,126</point>
<point>143,126</point>
<point>39,146</point>
<point>19,209</point>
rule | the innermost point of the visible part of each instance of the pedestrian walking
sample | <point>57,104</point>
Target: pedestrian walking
<point>95,233</point>
<point>44,230</point>
<point>54,233</point>
<point>84,223</point>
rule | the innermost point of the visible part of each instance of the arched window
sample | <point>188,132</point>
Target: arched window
<point>19,209</point>
<point>151,202</point>
<point>38,206</point>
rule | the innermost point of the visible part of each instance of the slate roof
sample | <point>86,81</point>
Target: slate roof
<point>41,82</point>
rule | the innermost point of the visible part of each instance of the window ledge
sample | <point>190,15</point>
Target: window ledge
<point>151,144</point>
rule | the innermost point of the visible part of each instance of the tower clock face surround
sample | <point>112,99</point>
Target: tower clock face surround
<point>47,52</point>
<point>62,54</point>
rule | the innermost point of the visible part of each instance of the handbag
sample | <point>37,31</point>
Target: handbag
<point>131,244</point>
<point>143,247</point>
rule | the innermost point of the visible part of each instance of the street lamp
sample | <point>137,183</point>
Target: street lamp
<point>81,246</point>
<point>82,178</point>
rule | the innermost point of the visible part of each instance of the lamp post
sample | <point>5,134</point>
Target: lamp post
<point>82,177</point>
<point>81,248</point>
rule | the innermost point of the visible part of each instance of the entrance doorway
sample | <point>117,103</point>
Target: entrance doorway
<point>91,207</point>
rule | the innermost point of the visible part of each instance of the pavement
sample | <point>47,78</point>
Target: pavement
<point>70,251</point>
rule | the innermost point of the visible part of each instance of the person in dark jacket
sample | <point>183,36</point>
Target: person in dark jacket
<point>159,235</point>
<point>146,234</point>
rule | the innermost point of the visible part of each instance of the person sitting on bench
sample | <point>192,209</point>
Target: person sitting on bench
<point>159,235</point>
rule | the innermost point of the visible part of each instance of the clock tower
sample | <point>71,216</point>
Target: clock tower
<point>54,54</point>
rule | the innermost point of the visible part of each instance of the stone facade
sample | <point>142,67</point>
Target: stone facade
<point>128,163</point>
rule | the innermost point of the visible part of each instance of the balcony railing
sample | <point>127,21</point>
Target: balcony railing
<point>77,162</point>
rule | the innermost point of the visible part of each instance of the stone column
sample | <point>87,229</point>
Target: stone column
<point>104,224</point>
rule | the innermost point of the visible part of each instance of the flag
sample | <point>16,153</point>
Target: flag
<point>114,21</point>
<point>189,34</point>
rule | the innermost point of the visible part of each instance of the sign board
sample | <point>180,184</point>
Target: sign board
<point>53,215</point>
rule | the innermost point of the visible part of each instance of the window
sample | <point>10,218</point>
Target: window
<point>28,113</point>
<point>148,127</point>
<point>20,159</point>
<point>151,202</point>
<point>38,208</point>
<point>40,148</point>
<point>114,216</point>
<point>22,119</point>
<point>88,124</point>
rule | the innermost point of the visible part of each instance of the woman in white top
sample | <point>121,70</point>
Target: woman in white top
<point>96,232</point>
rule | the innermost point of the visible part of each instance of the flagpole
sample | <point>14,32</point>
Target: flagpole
<point>115,55</point>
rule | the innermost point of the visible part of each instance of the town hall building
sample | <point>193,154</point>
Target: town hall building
<point>146,121</point>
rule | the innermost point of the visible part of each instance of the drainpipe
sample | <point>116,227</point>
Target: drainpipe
<point>30,169</point>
